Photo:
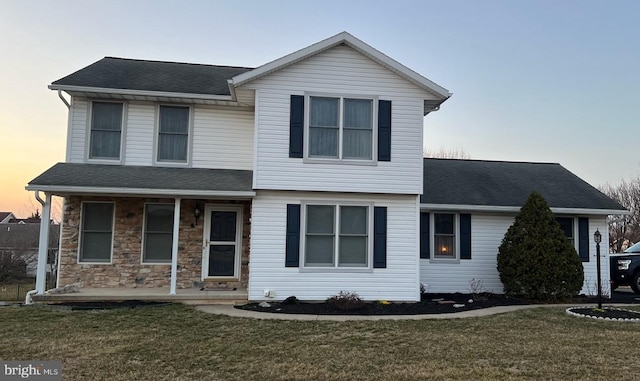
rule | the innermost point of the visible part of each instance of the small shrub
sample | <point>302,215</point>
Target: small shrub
<point>346,300</point>
<point>535,259</point>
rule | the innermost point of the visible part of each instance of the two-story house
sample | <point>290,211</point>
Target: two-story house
<point>301,177</point>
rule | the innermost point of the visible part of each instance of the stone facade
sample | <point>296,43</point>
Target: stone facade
<point>126,268</point>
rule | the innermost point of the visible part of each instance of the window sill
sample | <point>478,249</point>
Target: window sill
<point>314,160</point>
<point>94,263</point>
<point>444,260</point>
<point>336,270</point>
<point>156,263</point>
<point>104,161</point>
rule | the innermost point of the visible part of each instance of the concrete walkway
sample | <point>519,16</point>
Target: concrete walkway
<point>230,311</point>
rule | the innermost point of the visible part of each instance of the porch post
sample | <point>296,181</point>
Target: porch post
<point>43,244</point>
<point>174,248</point>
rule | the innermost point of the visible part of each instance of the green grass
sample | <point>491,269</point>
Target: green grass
<point>179,343</point>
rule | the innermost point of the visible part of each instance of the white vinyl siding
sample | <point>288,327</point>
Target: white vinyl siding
<point>346,73</point>
<point>222,136</point>
<point>397,282</point>
<point>77,138</point>
<point>487,232</point>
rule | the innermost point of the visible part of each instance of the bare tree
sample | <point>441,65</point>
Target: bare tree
<point>443,153</point>
<point>624,230</point>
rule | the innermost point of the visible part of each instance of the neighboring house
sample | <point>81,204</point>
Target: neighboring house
<point>22,240</point>
<point>5,217</point>
<point>300,177</point>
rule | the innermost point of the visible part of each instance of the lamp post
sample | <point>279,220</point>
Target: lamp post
<point>597,237</point>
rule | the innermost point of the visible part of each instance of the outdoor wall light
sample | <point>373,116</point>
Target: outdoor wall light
<point>196,213</point>
<point>597,237</point>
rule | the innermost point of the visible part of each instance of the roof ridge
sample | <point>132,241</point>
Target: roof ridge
<point>176,62</point>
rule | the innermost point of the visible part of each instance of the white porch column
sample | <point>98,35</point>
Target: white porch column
<point>43,244</point>
<point>174,248</point>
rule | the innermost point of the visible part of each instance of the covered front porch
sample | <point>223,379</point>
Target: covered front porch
<point>159,294</point>
<point>149,233</point>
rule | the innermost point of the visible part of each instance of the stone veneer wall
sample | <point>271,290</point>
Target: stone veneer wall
<point>126,269</point>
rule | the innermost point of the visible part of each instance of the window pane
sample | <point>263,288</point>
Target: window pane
<point>566,224</point>
<point>444,223</point>
<point>222,260</point>
<point>353,220</point>
<point>319,251</point>
<point>223,227</point>
<point>172,147</point>
<point>323,142</point>
<point>320,219</point>
<point>174,119</point>
<point>353,251</point>
<point>105,144</point>
<point>157,247</point>
<point>96,247</point>
<point>444,246</point>
<point>106,124</point>
<point>358,113</point>
<point>106,116</point>
<point>97,217</point>
<point>357,144</point>
<point>324,112</point>
<point>159,218</point>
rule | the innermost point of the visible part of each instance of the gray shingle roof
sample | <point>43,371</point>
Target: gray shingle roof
<point>499,183</point>
<point>130,74</point>
<point>140,177</point>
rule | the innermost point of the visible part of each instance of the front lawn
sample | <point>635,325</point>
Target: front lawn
<point>179,343</point>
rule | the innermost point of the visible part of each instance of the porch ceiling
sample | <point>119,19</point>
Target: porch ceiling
<point>75,178</point>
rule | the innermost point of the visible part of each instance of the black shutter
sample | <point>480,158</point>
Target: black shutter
<point>292,249</point>
<point>425,237</point>
<point>465,236</point>
<point>380,237</point>
<point>384,130</point>
<point>583,238</point>
<point>296,126</point>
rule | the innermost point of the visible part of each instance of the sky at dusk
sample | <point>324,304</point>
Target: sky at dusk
<point>549,81</point>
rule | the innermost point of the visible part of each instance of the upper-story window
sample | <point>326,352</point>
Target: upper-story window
<point>173,134</point>
<point>106,130</point>
<point>341,128</point>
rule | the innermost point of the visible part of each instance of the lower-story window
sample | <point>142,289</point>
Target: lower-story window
<point>96,235</point>
<point>566,225</point>
<point>337,236</point>
<point>444,237</point>
<point>158,233</point>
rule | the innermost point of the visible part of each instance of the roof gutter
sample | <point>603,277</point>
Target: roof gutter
<point>56,189</point>
<point>66,103</point>
<point>516,209</point>
<point>148,93</point>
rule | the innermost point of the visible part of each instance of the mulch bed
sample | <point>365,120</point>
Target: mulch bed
<point>605,313</point>
<point>430,304</point>
<point>106,305</point>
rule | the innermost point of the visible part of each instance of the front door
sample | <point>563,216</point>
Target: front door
<point>222,242</point>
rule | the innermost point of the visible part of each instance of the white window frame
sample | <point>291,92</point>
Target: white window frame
<point>339,159</point>
<point>336,267</point>
<point>574,223</point>
<point>105,160</point>
<point>81,230</point>
<point>172,163</point>
<point>432,238</point>
<point>144,231</point>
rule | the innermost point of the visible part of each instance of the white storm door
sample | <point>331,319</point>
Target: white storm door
<point>222,242</point>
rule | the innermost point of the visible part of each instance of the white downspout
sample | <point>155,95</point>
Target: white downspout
<point>43,247</point>
<point>174,247</point>
<point>66,103</point>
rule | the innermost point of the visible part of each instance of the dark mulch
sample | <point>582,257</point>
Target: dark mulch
<point>606,313</point>
<point>430,304</point>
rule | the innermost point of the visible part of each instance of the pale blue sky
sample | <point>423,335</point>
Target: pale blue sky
<point>552,81</point>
